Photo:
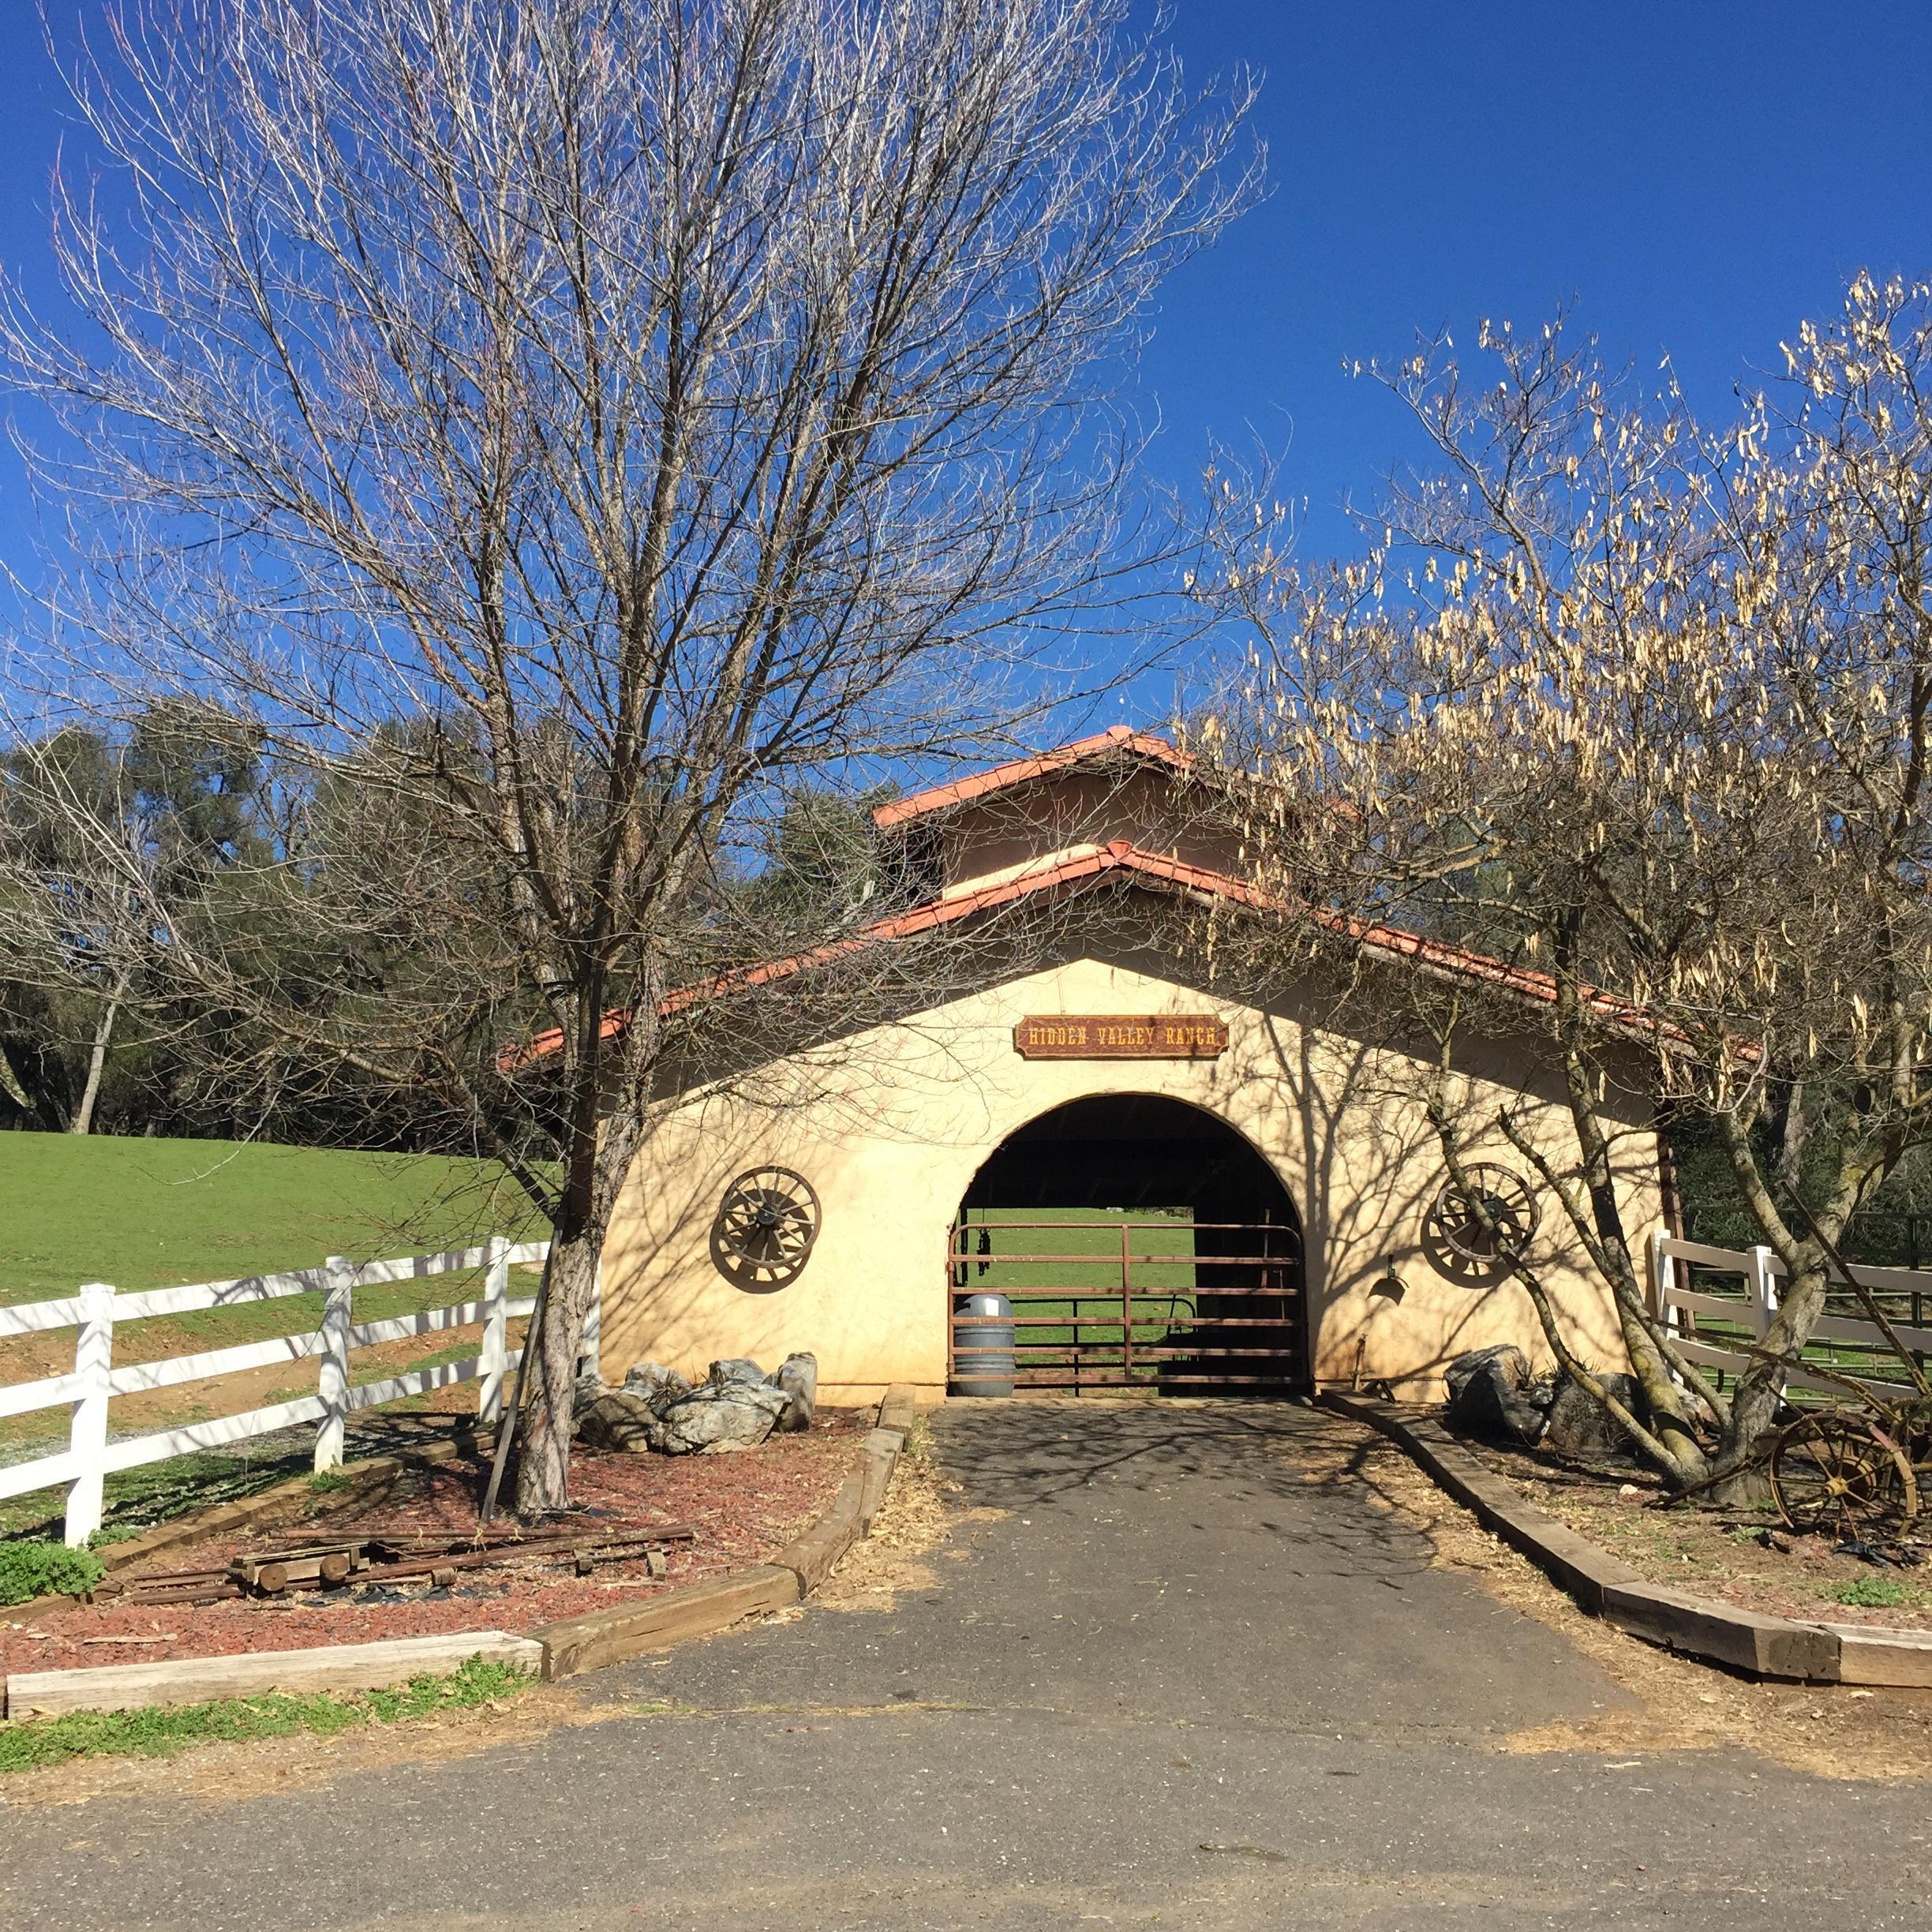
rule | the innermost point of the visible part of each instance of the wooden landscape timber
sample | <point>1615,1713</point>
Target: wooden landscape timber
<point>289,1498</point>
<point>1713,1632</point>
<point>377,1555</point>
<point>284,1499</point>
<point>609,1636</point>
<point>604,1637</point>
<point>201,1680</point>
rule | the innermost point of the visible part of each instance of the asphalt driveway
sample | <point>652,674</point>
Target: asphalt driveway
<point>1175,1668</point>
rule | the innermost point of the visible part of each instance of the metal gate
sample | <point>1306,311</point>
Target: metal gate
<point>1145,1299</point>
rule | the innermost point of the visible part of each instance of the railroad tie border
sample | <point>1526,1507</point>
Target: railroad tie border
<point>554,1651</point>
<point>1702,1627</point>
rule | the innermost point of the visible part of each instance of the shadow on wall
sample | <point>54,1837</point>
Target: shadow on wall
<point>1389,1302</point>
<point>891,1124</point>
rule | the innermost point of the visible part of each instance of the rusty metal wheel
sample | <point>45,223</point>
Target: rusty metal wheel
<point>1837,1472</point>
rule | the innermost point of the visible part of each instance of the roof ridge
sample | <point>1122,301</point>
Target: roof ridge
<point>1115,739</point>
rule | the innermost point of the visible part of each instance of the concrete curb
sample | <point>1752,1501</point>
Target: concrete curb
<point>553,1651</point>
<point>1695,1626</point>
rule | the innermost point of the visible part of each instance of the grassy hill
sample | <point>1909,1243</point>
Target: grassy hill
<point>147,1214</point>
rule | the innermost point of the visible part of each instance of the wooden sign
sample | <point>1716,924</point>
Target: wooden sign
<point>1120,1036</point>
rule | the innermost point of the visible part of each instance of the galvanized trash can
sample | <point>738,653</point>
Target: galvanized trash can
<point>983,1345</point>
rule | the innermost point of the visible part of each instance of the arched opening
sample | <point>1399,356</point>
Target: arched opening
<point>1144,1244</point>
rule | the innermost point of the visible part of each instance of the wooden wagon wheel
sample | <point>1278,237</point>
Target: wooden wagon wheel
<point>1505,1198</point>
<point>767,1224</point>
<point>1830,1471</point>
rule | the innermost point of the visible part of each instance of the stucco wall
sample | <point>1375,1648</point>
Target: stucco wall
<point>890,1126</point>
<point>1080,810</point>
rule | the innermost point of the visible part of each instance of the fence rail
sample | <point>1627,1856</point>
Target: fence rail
<point>1904,1294</point>
<point>91,1386</point>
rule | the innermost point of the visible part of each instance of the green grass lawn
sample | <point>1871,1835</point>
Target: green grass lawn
<point>149,1213</point>
<point>152,1213</point>
<point>162,1732</point>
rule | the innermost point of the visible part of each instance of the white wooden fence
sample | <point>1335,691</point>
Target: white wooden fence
<point>97,1310</point>
<point>1904,1290</point>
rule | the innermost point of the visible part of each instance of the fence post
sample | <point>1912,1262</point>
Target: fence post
<point>1663,1281</point>
<point>496,1330</point>
<point>338,1274</point>
<point>591,1348</point>
<point>1764,1292</point>
<point>86,1438</point>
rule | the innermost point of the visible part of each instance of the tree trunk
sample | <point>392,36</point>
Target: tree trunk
<point>11,1086</point>
<point>1741,1481</point>
<point>83,1121</point>
<point>543,1471</point>
<point>1744,1482</point>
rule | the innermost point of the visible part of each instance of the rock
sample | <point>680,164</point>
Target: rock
<point>655,1383</point>
<point>1491,1393</point>
<point>736,1406</point>
<point>798,1377</point>
<point>618,1420</point>
<point>1580,1426</point>
<point>732,1414</point>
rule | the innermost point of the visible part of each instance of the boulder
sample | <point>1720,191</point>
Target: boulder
<point>798,1377</point>
<point>1580,1426</point>
<point>736,1406</point>
<point>656,1382</point>
<point>719,1416</point>
<point>1492,1394</point>
<point>617,1421</point>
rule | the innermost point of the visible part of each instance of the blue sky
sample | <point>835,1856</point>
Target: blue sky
<point>1698,176</point>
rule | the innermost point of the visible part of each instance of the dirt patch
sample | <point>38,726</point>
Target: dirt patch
<point>744,1508</point>
<point>1829,1731</point>
<point>1750,1560</point>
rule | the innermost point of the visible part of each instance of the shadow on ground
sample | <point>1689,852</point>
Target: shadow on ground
<point>1223,1561</point>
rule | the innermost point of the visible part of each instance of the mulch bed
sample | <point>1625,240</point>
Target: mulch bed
<point>744,1507</point>
<point>1745,1558</point>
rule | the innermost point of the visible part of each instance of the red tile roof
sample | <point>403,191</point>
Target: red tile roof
<point>1115,741</point>
<point>1137,866</point>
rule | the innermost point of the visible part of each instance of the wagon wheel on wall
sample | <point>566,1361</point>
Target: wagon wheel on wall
<point>1839,1473</point>
<point>766,1226</point>
<point>1454,1236</point>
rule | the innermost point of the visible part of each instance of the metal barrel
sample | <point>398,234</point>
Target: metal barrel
<point>983,1345</point>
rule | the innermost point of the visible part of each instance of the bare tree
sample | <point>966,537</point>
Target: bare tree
<point>560,425</point>
<point>1642,708</point>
